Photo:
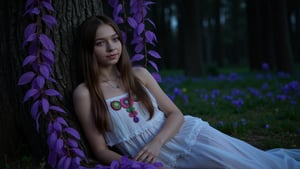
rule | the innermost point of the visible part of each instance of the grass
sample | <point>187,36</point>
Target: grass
<point>260,108</point>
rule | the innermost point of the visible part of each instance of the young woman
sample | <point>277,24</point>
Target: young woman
<point>124,107</point>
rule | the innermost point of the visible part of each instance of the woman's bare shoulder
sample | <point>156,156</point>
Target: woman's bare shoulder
<point>141,72</point>
<point>81,92</point>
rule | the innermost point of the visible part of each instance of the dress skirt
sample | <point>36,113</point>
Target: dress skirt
<point>196,145</point>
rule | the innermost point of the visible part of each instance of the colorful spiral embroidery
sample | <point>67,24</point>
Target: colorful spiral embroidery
<point>127,104</point>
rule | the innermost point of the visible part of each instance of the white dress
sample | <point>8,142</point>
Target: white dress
<point>197,145</point>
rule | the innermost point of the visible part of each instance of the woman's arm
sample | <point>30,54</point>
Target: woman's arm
<point>82,106</point>
<point>173,122</point>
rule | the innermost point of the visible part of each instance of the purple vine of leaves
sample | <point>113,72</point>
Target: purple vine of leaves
<point>143,40</point>
<point>63,140</point>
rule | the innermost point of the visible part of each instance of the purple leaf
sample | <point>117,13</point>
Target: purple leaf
<point>29,59</point>
<point>40,81</point>
<point>67,162</point>
<point>35,109</point>
<point>37,121</point>
<point>52,80</point>
<point>79,152</point>
<point>30,29</point>
<point>44,70</point>
<point>50,128</point>
<point>57,126</point>
<point>45,105</point>
<point>56,108</point>
<point>52,158</point>
<point>61,162</point>
<point>151,22</point>
<point>117,10</point>
<point>72,143</point>
<point>154,65</point>
<point>138,17</point>
<point>140,28</point>
<point>114,165</point>
<point>137,39</point>
<point>49,21</point>
<point>29,3</point>
<point>154,54</point>
<point>30,93</point>
<point>47,6</point>
<point>150,37</point>
<point>48,55</point>
<point>132,22</point>
<point>139,48</point>
<point>147,3</point>
<point>35,11</point>
<point>46,42</point>
<point>72,132</point>
<point>31,37</point>
<point>119,20</point>
<point>137,57</point>
<point>26,78</point>
<point>113,3</point>
<point>59,145</point>
<point>156,76</point>
<point>61,121</point>
<point>52,140</point>
<point>76,161</point>
<point>52,92</point>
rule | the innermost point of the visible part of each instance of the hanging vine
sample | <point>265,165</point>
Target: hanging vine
<point>143,39</point>
<point>63,140</point>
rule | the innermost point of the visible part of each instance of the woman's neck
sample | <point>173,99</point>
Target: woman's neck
<point>109,74</point>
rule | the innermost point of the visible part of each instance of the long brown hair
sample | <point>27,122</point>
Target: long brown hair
<point>89,66</point>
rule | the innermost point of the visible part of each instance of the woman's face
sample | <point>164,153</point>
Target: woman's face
<point>107,46</point>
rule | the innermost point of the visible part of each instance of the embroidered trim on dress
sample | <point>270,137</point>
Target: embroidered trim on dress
<point>127,104</point>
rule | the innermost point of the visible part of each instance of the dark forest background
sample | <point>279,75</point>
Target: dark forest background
<point>199,36</point>
<point>196,36</point>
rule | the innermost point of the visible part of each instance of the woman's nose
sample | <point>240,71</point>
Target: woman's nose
<point>110,46</point>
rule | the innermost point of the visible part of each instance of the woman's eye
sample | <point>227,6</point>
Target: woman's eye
<point>100,43</point>
<point>116,39</point>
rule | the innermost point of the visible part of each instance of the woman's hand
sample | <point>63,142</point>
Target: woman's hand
<point>149,153</point>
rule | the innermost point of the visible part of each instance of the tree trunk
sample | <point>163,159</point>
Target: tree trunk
<point>193,59</point>
<point>268,35</point>
<point>16,125</point>
<point>217,47</point>
<point>284,54</point>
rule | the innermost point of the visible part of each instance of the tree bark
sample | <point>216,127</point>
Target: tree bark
<point>16,125</point>
<point>193,58</point>
<point>268,35</point>
<point>284,54</point>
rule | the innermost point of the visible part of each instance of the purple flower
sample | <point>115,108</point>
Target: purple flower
<point>265,66</point>
<point>177,91</point>
<point>204,96</point>
<point>185,99</point>
<point>236,92</point>
<point>215,93</point>
<point>254,92</point>
<point>281,97</point>
<point>264,86</point>
<point>243,121</point>
<point>283,75</point>
<point>238,103</point>
<point>228,97</point>
<point>267,126</point>
<point>220,123</point>
<point>235,124</point>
